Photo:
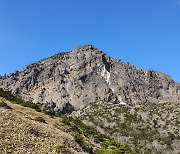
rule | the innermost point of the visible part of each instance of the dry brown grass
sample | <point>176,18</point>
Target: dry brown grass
<point>20,133</point>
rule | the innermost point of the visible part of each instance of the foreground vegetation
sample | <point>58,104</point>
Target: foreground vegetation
<point>86,136</point>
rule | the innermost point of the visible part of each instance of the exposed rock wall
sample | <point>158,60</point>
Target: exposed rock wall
<point>70,81</point>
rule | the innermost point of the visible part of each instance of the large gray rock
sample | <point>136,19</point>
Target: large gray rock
<point>70,81</point>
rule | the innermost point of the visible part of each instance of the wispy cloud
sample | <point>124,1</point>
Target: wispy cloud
<point>177,4</point>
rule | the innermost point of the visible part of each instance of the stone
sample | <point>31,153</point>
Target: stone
<point>69,81</point>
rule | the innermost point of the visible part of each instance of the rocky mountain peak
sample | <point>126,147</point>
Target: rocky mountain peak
<point>70,81</point>
<point>85,48</point>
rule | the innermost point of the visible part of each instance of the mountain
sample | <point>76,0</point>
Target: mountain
<point>70,81</point>
<point>108,102</point>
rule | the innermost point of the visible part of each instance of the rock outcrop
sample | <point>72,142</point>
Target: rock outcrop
<point>70,81</point>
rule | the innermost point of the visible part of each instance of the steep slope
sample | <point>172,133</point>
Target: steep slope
<point>24,130</point>
<point>70,81</point>
<point>20,133</point>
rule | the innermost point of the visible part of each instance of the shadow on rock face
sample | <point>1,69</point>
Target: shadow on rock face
<point>67,109</point>
<point>88,149</point>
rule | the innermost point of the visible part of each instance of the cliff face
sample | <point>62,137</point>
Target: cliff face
<point>70,81</point>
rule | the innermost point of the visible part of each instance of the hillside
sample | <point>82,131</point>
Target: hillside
<point>24,130</point>
<point>20,133</point>
<point>151,128</point>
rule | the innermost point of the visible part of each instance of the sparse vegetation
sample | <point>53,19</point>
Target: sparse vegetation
<point>89,131</point>
<point>50,112</point>
<point>116,121</point>
<point>79,130</point>
<point>62,149</point>
<point>20,134</point>
<point>80,140</point>
<point>7,95</point>
<point>40,119</point>
<point>139,126</point>
<point>120,150</point>
<point>4,105</point>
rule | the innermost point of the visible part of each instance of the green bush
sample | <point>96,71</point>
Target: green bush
<point>80,140</point>
<point>50,112</point>
<point>30,105</point>
<point>77,126</point>
<point>121,150</point>
<point>7,95</point>
<point>40,119</point>
<point>4,105</point>
<point>62,149</point>
<point>66,120</point>
<point>110,143</point>
<point>99,138</point>
<point>104,151</point>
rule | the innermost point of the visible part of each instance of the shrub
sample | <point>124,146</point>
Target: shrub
<point>4,105</point>
<point>62,149</point>
<point>80,140</point>
<point>50,112</point>
<point>66,120</point>
<point>99,138</point>
<point>40,119</point>
<point>110,143</point>
<point>7,95</point>
<point>121,150</point>
<point>30,105</point>
<point>104,151</point>
<point>77,126</point>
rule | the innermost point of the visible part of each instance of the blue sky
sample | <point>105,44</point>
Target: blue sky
<point>145,33</point>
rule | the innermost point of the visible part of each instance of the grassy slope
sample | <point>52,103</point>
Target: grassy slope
<point>20,133</point>
<point>27,130</point>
